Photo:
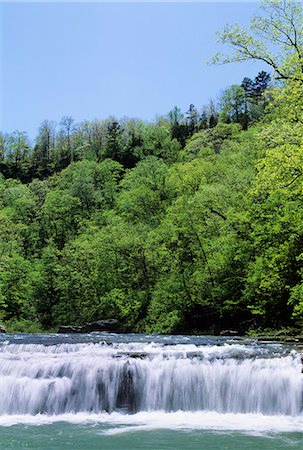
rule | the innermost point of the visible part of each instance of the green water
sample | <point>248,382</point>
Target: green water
<point>62,436</point>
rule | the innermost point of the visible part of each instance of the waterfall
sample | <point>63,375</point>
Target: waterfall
<point>135,377</point>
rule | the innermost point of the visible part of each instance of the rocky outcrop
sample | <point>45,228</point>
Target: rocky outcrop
<point>229,333</point>
<point>2,329</point>
<point>65,329</point>
<point>111,325</point>
<point>106,325</point>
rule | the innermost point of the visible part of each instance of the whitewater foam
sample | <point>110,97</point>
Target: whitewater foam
<point>212,385</point>
<point>180,420</point>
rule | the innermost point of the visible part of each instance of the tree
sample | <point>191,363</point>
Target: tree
<point>179,129</point>
<point>175,115</point>
<point>234,105</point>
<point>114,148</point>
<point>60,215</point>
<point>46,140</point>
<point>261,83</point>
<point>65,150</point>
<point>200,246</point>
<point>94,184</point>
<point>133,131</point>
<point>245,103</point>
<point>2,146</point>
<point>16,148</point>
<point>67,124</point>
<point>275,37</point>
<point>203,121</point>
<point>248,86</point>
<point>192,119</point>
<point>210,140</point>
<point>103,273</point>
<point>94,137</point>
<point>212,114</point>
<point>143,195</point>
<point>157,141</point>
<point>257,96</point>
<point>15,287</point>
<point>43,152</point>
<point>46,295</point>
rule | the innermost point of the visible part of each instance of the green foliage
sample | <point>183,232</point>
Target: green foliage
<point>191,223</point>
<point>212,138</point>
<point>233,104</point>
<point>246,103</point>
<point>60,216</point>
<point>296,301</point>
<point>23,326</point>
<point>102,273</point>
<point>143,195</point>
<point>16,287</point>
<point>274,37</point>
<point>162,247</point>
<point>93,184</point>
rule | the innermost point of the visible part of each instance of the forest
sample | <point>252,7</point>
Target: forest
<point>192,223</point>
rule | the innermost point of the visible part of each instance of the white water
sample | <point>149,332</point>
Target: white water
<point>179,420</point>
<point>219,386</point>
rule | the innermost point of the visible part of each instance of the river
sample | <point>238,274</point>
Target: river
<point>114,391</point>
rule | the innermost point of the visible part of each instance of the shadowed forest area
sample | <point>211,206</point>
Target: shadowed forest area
<point>191,223</point>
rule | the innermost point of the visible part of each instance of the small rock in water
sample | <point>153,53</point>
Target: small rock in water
<point>65,329</point>
<point>229,333</point>
<point>110,325</point>
<point>99,326</point>
<point>2,329</point>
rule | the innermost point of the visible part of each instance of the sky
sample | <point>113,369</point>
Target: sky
<point>92,60</point>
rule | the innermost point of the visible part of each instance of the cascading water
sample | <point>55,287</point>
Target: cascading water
<point>129,377</point>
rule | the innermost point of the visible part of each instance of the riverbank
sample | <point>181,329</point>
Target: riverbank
<point>287,335</point>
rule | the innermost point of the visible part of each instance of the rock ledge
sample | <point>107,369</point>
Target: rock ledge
<point>106,325</point>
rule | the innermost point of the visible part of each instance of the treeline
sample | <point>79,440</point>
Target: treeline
<point>130,140</point>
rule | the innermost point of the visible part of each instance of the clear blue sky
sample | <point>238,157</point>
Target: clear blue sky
<point>92,60</point>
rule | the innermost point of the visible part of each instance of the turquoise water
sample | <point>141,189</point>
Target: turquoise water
<point>63,436</point>
<point>149,392</point>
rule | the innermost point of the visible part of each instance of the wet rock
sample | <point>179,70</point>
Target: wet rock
<point>229,333</point>
<point>99,326</point>
<point>2,329</point>
<point>110,325</point>
<point>65,329</point>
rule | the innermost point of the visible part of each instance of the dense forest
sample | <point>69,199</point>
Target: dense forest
<point>191,223</point>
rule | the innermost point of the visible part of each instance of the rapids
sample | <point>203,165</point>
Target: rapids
<point>116,375</point>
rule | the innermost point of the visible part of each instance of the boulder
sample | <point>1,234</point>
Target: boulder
<point>229,333</point>
<point>65,329</point>
<point>99,326</point>
<point>110,325</point>
<point>2,329</point>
